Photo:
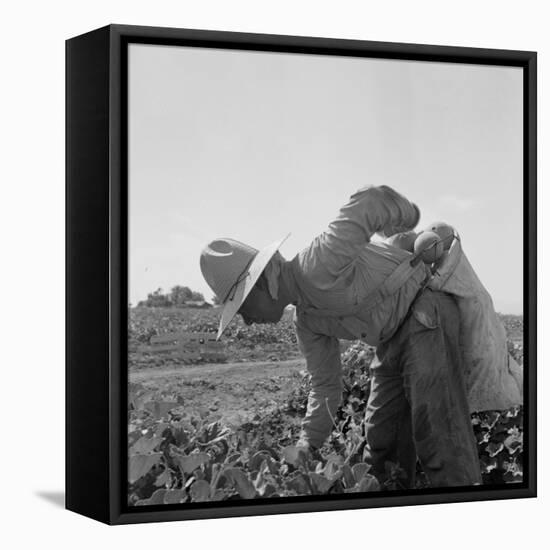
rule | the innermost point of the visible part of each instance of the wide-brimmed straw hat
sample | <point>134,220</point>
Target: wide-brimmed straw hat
<point>231,269</point>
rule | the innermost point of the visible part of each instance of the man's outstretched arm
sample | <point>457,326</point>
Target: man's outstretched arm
<point>370,210</point>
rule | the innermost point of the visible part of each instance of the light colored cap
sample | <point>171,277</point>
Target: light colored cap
<point>231,269</point>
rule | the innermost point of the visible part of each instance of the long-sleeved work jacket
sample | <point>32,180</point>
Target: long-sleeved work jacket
<point>350,288</point>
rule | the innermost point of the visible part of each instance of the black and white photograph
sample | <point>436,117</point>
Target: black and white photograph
<point>274,274</point>
<point>325,276</point>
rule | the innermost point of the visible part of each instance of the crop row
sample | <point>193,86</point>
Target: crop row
<point>175,457</point>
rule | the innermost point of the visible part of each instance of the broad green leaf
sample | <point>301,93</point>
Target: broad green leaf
<point>161,428</point>
<point>264,447</point>
<point>145,445</point>
<point>514,442</point>
<point>360,470</point>
<point>191,462</point>
<point>133,437</point>
<point>262,479</point>
<point>134,388</point>
<point>368,484</point>
<point>274,467</point>
<point>164,479</point>
<point>239,478</point>
<point>156,498</point>
<point>199,474</point>
<point>160,409</point>
<point>513,473</point>
<point>200,491</point>
<point>333,469</point>
<point>174,496</point>
<point>349,478</point>
<point>140,465</point>
<point>218,495</point>
<point>320,483</point>
<point>138,401</point>
<point>270,491</point>
<point>294,455</point>
<point>181,435</point>
<point>267,489</point>
<point>257,460</point>
<point>298,484</point>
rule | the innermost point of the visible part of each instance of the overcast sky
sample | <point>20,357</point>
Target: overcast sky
<point>253,145</point>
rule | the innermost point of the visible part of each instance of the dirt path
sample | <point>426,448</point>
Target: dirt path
<point>254,369</point>
<point>234,392</point>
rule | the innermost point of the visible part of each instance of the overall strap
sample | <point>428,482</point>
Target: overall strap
<point>404,271</point>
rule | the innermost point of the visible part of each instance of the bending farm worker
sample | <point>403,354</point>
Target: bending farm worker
<point>344,286</point>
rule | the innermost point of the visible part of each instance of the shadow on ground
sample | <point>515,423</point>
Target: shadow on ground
<point>57,498</point>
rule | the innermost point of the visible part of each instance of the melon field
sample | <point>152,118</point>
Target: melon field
<point>200,432</point>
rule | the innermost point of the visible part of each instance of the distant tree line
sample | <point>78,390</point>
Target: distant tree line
<point>179,296</point>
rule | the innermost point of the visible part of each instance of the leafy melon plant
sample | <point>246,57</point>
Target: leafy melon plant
<point>174,456</point>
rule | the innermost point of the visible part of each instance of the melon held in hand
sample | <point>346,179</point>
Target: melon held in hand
<point>445,232</point>
<point>429,246</point>
<point>405,241</point>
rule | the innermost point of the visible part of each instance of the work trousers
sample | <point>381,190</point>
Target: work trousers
<point>418,405</point>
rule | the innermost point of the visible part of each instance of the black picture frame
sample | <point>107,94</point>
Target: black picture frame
<point>96,269</point>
